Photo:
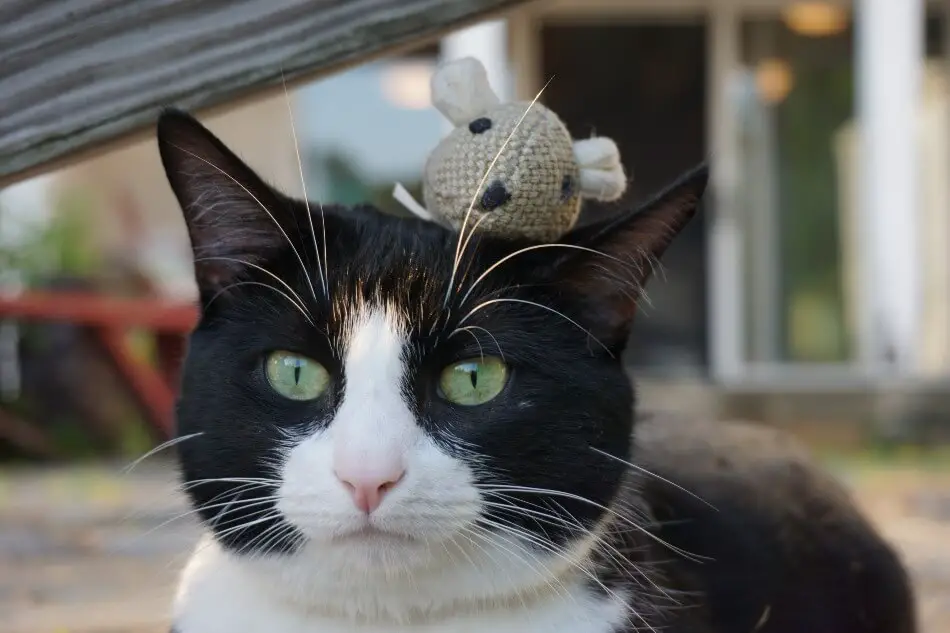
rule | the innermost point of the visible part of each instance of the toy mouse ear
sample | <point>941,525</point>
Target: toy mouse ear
<point>601,173</point>
<point>460,90</point>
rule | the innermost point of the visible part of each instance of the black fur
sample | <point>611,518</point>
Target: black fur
<point>559,316</point>
<point>555,365</point>
<point>779,546</point>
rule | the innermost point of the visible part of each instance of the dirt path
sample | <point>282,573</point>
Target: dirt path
<point>912,510</point>
<point>80,551</point>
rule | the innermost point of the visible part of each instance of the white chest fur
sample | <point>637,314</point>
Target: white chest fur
<point>220,595</point>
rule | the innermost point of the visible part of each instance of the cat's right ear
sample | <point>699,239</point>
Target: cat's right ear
<point>618,255</point>
<point>234,218</point>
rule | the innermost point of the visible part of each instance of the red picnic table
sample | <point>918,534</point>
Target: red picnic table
<point>111,318</point>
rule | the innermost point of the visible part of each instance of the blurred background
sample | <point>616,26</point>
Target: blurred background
<point>814,294</point>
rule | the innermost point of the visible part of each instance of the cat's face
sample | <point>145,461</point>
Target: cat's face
<point>364,390</point>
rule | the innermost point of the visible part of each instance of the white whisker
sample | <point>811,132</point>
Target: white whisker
<point>468,328</point>
<point>301,305</point>
<point>600,506</point>
<point>603,544</point>
<point>459,248</point>
<point>492,538</point>
<point>247,503</point>
<point>159,448</point>
<point>269,540</point>
<point>526,250</point>
<point>250,523</point>
<point>229,480</point>
<point>258,283</point>
<point>303,266</point>
<point>303,185</point>
<point>579,565</point>
<point>489,302</point>
<point>652,474</point>
<point>550,548</point>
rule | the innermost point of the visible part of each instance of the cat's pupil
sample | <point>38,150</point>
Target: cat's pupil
<point>297,370</point>
<point>473,376</point>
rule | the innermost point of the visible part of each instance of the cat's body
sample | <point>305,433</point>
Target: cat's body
<point>785,548</point>
<point>389,429</point>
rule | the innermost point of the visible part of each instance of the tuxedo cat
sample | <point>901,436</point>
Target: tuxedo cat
<point>387,428</point>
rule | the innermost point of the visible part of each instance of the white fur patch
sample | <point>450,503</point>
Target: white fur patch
<point>424,565</point>
<point>224,595</point>
<point>374,427</point>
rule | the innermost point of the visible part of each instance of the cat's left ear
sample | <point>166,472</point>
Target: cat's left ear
<point>234,218</point>
<point>608,283</point>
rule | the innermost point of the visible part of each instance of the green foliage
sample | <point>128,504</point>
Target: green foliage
<point>62,247</point>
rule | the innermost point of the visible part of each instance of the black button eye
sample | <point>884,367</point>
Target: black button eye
<point>567,188</point>
<point>495,196</point>
<point>480,125</point>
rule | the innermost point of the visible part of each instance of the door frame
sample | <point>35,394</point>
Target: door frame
<point>726,285</point>
<point>724,279</point>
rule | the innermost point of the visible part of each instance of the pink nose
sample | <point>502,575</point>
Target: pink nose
<point>368,489</point>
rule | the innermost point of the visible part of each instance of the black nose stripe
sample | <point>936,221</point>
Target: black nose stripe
<point>495,196</point>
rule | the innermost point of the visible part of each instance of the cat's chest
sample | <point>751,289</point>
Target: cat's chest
<point>228,604</point>
<point>553,618</point>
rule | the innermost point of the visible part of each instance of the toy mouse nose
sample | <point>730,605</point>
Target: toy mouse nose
<point>495,196</point>
<point>368,486</point>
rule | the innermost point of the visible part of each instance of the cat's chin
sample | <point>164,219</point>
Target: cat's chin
<point>370,552</point>
<point>385,576</point>
<point>375,547</point>
<point>339,584</point>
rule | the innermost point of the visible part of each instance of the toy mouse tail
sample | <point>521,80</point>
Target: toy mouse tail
<point>601,174</point>
<point>403,197</point>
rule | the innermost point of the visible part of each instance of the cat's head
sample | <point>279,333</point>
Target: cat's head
<point>371,394</point>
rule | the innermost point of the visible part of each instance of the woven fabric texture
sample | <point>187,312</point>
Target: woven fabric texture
<point>536,167</point>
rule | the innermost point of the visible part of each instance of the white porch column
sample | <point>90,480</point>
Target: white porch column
<point>487,42</point>
<point>890,57</point>
<point>724,283</point>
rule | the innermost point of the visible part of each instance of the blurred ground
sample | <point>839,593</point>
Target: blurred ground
<point>80,550</point>
<point>911,506</point>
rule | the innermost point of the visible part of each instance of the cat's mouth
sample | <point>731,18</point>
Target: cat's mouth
<point>370,534</point>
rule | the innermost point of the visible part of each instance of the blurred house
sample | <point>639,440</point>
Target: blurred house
<point>134,211</point>
<point>823,255</point>
<point>823,261</point>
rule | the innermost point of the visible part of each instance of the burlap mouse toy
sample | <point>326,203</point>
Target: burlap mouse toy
<point>529,174</point>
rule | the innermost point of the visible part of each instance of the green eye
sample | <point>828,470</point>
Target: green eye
<point>473,382</point>
<point>296,377</point>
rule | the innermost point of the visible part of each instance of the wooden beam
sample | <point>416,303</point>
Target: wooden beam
<point>78,75</point>
<point>101,311</point>
<point>155,395</point>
